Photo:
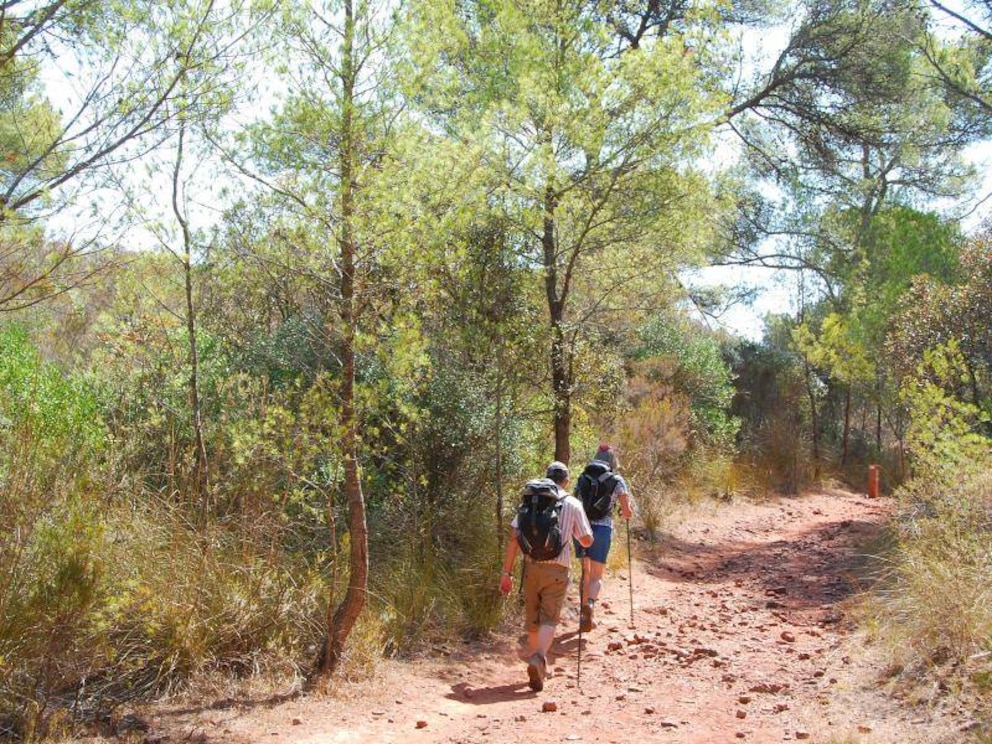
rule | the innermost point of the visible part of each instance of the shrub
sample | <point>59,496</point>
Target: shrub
<point>51,548</point>
<point>945,431</point>
<point>936,612</point>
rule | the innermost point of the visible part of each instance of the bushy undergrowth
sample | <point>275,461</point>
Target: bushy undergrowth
<point>935,612</point>
<point>103,598</point>
<point>436,577</point>
<point>53,539</point>
<point>138,604</point>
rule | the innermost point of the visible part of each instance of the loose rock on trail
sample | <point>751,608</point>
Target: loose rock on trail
<point>740,633</point>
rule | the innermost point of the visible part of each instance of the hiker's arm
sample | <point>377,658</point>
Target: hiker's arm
<point>626,500</point>
<point>506,577</point>
<point>583,529</point>
<point>626,507</point>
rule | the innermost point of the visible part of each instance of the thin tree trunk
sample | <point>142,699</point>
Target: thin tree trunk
<point>847,427</point>
<point>561,382</point>
<point>500,529</point>
<point>814,421</point>
<point>878,430</point>
<point>342,619</point>
<point>200,475</point>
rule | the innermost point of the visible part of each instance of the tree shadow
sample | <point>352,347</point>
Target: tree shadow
<point>567,643</point>
<point>133,723</point>
<point>466,693</point>
<point>825,564</point>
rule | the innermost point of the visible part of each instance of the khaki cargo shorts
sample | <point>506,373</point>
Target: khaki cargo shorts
<point>545,585</point>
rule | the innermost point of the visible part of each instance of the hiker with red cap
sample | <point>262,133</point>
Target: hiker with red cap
<point>600,489</point>
<point>547,521</point>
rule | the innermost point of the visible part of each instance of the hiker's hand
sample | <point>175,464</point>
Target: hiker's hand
<point>505,583</point>
<point>625,511</point>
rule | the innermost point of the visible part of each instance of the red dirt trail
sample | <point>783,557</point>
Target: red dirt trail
<point>740,634</point>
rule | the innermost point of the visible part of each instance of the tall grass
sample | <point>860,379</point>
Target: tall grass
<point>937,609</point>
<point>137,604</point>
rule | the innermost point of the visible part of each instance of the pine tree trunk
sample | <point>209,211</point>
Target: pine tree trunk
<point>561,378</point>
<point>847,427</point>
<point>341,620</point>
<point>814,421</point>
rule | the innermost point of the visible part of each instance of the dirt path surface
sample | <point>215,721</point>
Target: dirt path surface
<point>739,634</point>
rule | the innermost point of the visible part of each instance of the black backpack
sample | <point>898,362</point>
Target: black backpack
<point>538,520</point>
<point>595,489</point>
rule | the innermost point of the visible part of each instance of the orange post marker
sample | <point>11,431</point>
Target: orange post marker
<point>873,490</point>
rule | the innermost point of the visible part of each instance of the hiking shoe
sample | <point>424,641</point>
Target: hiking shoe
<point>535,672</point>
<point>585,620</point>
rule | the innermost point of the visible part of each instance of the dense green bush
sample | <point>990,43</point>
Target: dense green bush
<point>433,523</point>
<point>772,402</point>
<point>49,422</point>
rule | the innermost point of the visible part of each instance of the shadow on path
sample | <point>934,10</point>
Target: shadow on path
<point>802,569</point>
<point>466,693</point>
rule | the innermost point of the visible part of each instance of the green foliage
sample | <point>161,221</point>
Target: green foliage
<point>934,313</point>
<point>965,63</point>
<point>51,550</point>
<point>585,146</point>
<point>145,394</point>
<point>676,432</point>
<point>904,243</point>
<point>273,457</point>
<point>46,418</point>
<point>52,581</point>
<point>433,498</point>
<point>28,122</point>
<point>945,430</point>
<point>836,349</point>
<point>538,184</point>
<point>697,371</point>
<point>858,132</point>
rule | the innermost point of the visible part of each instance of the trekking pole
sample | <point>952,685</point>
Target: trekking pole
<point>582,600</point>
<point>630,577</point>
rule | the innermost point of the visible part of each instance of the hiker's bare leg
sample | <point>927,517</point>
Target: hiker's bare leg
<point>545,635</point>
<point>532,642</point>
<point>586,571</point>
<point>594,574</point>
